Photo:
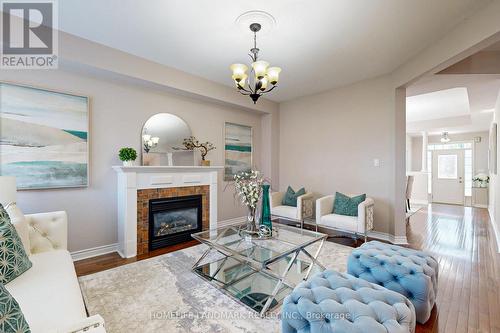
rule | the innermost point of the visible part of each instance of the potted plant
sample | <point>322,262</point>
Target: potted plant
<point>192,143</point>
<point>127,155</point>
<point>481,180</point>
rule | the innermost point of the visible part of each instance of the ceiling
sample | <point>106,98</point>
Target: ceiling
<point>455,103</point>
<point>320,45</point>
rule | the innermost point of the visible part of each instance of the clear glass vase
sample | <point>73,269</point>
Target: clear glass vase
<point>251,225</point>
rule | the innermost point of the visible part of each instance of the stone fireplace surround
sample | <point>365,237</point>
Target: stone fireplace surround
<point>143,197</point>
<point>137,184</point>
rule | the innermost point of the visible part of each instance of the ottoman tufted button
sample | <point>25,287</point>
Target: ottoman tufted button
<point>327,320</point>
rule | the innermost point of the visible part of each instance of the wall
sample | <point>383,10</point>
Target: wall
<point>328,142</point>
<point>494,189</point>
<point>118,112</point>
<point>480,149</point>
<point>409,152</point>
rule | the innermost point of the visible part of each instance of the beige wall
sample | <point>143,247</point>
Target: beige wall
<point>494,190</point>
<point>480,149</point>
<point>328,142</point>
<point>117,114</point>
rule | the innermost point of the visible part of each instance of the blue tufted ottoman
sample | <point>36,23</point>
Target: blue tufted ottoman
<point>335,302</point>
<point>411,273</point>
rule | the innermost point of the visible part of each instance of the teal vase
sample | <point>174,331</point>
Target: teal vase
<point>266,207</point>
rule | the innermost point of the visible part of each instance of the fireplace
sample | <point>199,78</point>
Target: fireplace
<point>173,220</point>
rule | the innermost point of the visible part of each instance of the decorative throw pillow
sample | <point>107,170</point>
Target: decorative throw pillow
<point>19,221</point>
<point>11,318</point>
<point>13,258</point>
<point>345,205</point>
<point>290,198</point>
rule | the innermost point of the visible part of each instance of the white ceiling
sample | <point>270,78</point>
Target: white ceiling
<point>454,103</point>
<point>319,44</point>
<point>440,104</point>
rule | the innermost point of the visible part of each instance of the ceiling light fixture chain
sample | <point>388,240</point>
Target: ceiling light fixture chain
<point>261,74</point>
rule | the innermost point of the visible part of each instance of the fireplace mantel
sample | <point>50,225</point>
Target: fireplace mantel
<point>134,178</point>
<point>149,169</point>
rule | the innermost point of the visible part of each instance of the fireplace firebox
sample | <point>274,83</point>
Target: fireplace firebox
<point>173,220</point>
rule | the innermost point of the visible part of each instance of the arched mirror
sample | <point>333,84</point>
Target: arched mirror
<point>161,135</point>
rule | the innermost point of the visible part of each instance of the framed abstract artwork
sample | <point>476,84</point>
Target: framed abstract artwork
<point>238,149</point>
<point>44,137</point>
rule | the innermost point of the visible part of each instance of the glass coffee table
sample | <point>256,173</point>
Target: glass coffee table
<point>259,273</point>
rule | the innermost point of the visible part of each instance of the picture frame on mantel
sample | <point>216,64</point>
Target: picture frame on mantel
<point>238,149</point>
<point>45,137</point>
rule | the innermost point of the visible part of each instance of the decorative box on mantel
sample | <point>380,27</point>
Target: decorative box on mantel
<point>163,185</point>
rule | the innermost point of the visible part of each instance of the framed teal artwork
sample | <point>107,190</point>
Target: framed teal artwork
<point>238,149</point>
<point>44,137</point>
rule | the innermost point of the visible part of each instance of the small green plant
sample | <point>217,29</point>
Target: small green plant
<point>127,154</point>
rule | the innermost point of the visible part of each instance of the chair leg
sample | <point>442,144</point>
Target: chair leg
<point>366,236</point>
<point>316,227</point>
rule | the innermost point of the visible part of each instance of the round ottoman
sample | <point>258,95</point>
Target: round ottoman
<point>336,302</point>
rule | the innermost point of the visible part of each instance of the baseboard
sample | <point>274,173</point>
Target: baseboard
<point>495,229</point>
<point>419,202</point>
<point>94,252</point>
<point>400,240</point>
<point>480,206</point>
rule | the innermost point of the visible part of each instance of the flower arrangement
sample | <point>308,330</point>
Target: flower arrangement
<point>127,155</point>
<point>481,180</point>
<point>192,143</point>
<point>248,187</point>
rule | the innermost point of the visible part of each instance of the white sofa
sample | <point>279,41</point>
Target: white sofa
<point>360,224</point>
<point>49,293</point>
<point>303,209</point>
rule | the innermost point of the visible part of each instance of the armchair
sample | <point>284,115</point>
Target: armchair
<point>303,210</point>
<point>360,224</point>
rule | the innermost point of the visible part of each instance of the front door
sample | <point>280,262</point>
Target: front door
<point>448,176</point>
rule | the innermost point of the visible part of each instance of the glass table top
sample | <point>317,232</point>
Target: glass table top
<point>286,239</point>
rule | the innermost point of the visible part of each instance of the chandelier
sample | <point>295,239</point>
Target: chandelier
<point>262,78</point>
<point>445,138</point>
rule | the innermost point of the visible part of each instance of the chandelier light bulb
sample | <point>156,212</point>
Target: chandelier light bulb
<point>273,74</point>
<point>260,68</point>
<point>238,71</point>
<point>263,83</point>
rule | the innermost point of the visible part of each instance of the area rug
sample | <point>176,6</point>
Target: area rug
<point>162,294</point>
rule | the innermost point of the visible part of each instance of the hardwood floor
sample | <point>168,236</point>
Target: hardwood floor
<point>462,240</point>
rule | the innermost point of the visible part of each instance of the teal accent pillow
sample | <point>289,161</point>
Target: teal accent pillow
<point>345,205</point>
<point>290,198</point>
<point>11,318</point>
<point>13,259</point>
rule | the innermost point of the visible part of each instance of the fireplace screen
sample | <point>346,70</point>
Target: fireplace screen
<point>173,220</point>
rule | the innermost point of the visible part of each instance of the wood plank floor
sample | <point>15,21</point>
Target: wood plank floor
<point>462,240</point>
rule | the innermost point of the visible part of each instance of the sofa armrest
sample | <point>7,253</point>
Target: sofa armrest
<point>94,324</point>
<point>300,204</point>
<point>276,198</point>
<point>365,215</point>
<point>48,231</point>
<point>324,206</point>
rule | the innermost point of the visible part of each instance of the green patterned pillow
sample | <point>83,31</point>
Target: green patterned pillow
<point>13,258</point>
<point>290,198</point>
<point>345,205</point>
<point>11,318</point>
